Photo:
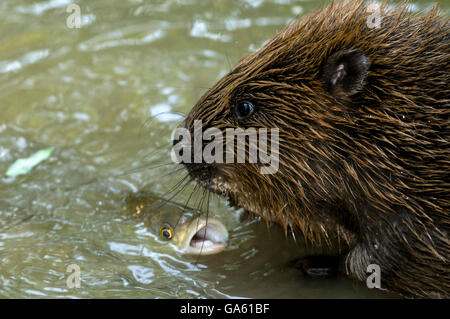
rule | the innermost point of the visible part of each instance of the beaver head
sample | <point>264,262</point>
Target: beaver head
<point>363,136</point>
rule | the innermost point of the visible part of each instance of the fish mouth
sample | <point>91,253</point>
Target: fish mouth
<point>205,236</point>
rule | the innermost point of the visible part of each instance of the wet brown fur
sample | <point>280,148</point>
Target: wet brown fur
<point>369,169</point>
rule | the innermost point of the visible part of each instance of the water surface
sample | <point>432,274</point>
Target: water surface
<point>107,96</point>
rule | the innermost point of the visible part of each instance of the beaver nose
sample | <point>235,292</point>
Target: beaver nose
<point>181,141</point>
<point>176,139</point>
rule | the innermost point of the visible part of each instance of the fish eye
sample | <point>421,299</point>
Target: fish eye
<point>166,232</point>
<point>244,109</point>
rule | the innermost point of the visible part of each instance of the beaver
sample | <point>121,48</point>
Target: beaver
<point>363,117</point>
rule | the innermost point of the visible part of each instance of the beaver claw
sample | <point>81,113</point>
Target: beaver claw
<point>319,267</point>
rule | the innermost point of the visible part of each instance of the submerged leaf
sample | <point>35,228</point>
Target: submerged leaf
<point>24,165</point>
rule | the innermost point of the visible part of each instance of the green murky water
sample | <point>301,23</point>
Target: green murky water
<point>107,96</point>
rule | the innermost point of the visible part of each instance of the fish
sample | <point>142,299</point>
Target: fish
<point>186,228</point>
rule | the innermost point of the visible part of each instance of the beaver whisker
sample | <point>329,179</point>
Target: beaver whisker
<point>146,124</point>
<point>207,213</point>
<point>101,177</point>
<point>180,185</point>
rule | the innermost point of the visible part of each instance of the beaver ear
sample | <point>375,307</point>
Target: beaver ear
<point>345,72</point>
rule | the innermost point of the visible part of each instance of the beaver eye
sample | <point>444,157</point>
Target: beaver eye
<point>243,110</point>
<point>166,232</point>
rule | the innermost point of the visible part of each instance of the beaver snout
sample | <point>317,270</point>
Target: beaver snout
<point>184,154</point>
<point>176,137</point>
<point>188,149</point>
